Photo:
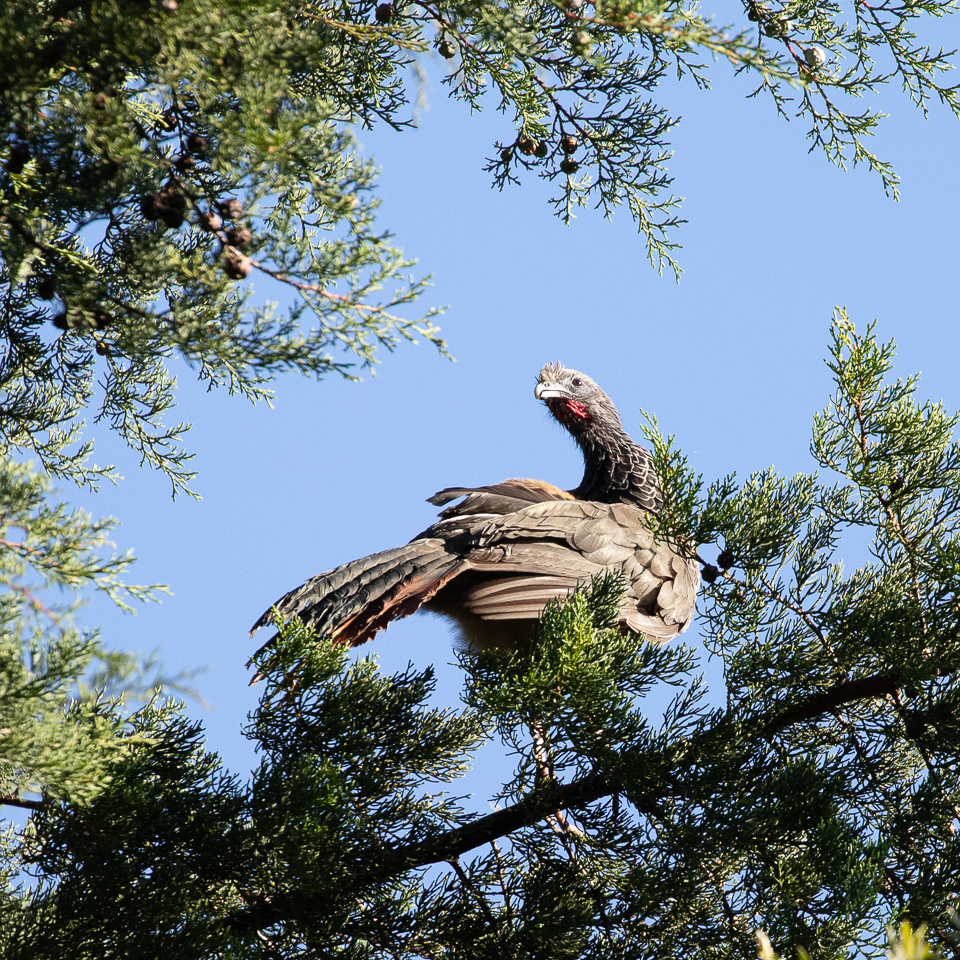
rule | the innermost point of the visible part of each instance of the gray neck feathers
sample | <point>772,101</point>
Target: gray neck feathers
<point>616,469</point>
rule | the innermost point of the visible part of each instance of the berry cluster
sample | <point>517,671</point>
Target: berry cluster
<point>531,147</point>
<point>170,205</point>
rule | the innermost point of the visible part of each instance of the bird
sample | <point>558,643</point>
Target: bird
<point>495,559</point>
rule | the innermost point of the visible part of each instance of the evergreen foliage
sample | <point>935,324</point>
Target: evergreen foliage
<point>165,169</point>
<point>58,731</point>
<point>810,807</point>
<point>154,155</point>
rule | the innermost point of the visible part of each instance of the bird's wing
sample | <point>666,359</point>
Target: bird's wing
<point>497,498</point>
<point>513,565</point>
<point>516,598</point>
<point>516,488</point>
<point>361,597</point>
<point>602,533</point>
<point>559,544</point>
<point>356,600</point>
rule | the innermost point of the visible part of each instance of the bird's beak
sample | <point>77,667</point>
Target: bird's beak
<point>548,391</point>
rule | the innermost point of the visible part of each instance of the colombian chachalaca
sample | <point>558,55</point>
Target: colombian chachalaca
<point>494,560</point>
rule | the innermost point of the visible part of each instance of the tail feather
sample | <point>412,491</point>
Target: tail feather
<point>349,589</point>
<point>358,572</point>
<point>404,598</point>
<point>353,602</point>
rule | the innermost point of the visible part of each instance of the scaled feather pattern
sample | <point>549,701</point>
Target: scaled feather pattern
<point>496,558</point>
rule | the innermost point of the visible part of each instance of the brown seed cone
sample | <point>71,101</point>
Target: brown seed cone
<point>230,209</point>
<point>210,221</point>
<point>527,146</point>
<point>239,236</point>
<point>235,264</point>
<point>171,217</point>
<point>172,198</point>
<point>18,157</point>
<point>150,207</point>
<point>569,144</point>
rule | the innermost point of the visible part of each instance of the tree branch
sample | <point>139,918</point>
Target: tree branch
<point>865,688</point>
<point>553,796</point>
<point>15,800</point>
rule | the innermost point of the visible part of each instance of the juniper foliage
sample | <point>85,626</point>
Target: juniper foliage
<point>154,156</point>
<point>810,802</point>
<point>60,725</point>
<point>165,169</point>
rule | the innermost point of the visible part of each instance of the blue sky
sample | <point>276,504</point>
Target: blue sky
<point>731,361</point>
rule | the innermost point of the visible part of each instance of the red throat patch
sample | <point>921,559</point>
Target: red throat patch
<point>567,411</point>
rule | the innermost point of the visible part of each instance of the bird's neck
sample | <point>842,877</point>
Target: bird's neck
<point>616,469</point>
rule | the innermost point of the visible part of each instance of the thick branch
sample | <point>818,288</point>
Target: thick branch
<point>551,796</point>
<point>571,796</point>
<point>543,802</point>
<point>15,800</point>
<point>866,688</point>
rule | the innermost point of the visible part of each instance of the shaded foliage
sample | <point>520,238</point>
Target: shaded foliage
<point>166,169</point>
<point>815,801</point>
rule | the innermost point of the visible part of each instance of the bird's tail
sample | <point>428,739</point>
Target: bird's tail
<point>353,602</point>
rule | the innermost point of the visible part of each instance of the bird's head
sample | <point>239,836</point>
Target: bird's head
<point>574,399</point>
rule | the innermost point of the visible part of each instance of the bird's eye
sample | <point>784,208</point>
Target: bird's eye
<point>577,382</point>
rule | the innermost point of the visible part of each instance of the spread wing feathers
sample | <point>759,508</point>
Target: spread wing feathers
<point>515,563</point>
<point>497,498</point>
<point>517,488</point>
<point>516,598</point>
<point>604,534</point>
<point>354,601</point>
<point>412,589</point>
<point>579,539</point>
